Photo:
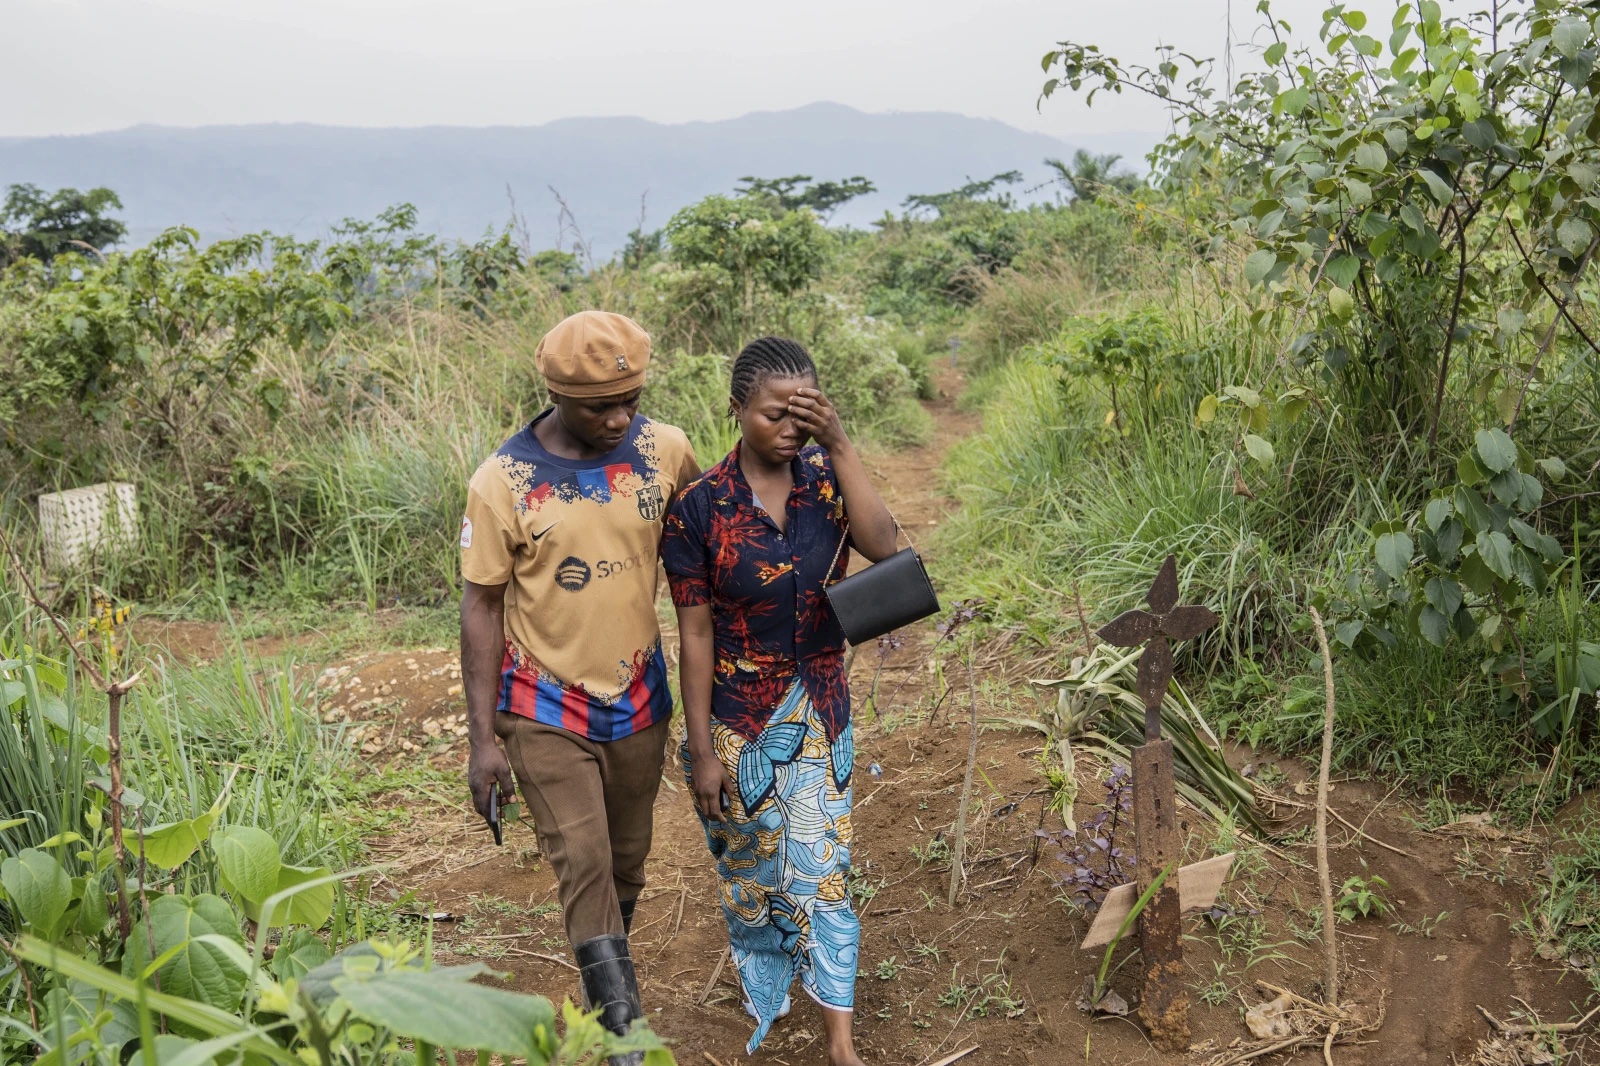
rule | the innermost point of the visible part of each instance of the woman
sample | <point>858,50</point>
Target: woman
<point>748,549</point>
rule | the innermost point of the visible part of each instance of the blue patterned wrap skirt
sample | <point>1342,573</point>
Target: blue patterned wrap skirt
<point>783,854</point>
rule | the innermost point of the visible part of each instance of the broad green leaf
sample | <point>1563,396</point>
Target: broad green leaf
<point>62,839</point>
<point>1480,134</point>
<point>1445,594</point>
<point>1505,403</point>
<point>1275,52</point>
<point>1532,491</point>
<point>303,953</point>
<point>1548,547</point>
<point>195,1015</point>
<point>1495,551</point>
<point>1496,450</point>
<point>1207,411</point>
<point>307,906</point>
<point>1438,188</point>
<point>1247,396</point>
<point>39,888</point>
<point>1259,264</point>
<point>249,859</point>
<point>1476,575</point>
<point>1393,552</point>
<point>1570,35</point>
<point>1342,270</point>
<point>94,909</point>
<point>170,845</point>
<point>1529,571</point>
<point>1371,156</point>
<point>1507,486</point>
<point>1436,512</point>
<point>1340,303</point>
<point>1434,627</point>
<point>1259,448</point>
<point>449,1013</point>
<point>199,971</point>
<point>1448,540</point>
<point>1575,235</point>
<point>1347,632</point>
<point>1553,468</point>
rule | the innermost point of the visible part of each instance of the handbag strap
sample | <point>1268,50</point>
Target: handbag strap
<point>844,535</point>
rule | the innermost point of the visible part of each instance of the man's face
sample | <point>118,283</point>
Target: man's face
<point>601,422</point>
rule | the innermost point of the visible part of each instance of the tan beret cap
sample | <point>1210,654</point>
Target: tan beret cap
<point>594,353</point>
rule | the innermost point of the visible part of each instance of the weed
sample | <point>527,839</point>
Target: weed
<point>888,969</point>
<point>1425,928</point>
<point>1359,897</point>
<point>936,850</point>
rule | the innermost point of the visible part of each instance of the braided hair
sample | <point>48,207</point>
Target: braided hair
<point>769,357</point>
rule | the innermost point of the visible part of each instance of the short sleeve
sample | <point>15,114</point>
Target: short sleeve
<point>489,538</point>
<point>678,459</point>
<point>689,467</point>
<point>684,549</point>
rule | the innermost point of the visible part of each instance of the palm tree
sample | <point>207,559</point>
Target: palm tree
<point>1089,175</point>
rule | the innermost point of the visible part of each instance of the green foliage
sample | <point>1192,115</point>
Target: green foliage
<point>1089,176</point>
<point>1467,564</point>
<point>42,226</point>
<point>943,203</point>
<point>1116,348</point>
<point>750,248</point>
<point>1097,708</point>
<point>82,993</point>
<point>1359,897</point>
<point>798,190</point>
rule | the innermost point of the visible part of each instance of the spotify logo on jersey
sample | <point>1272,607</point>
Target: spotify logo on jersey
<point>572,574</point>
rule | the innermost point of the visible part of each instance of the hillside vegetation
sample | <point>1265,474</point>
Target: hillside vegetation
<point>1338,351</point>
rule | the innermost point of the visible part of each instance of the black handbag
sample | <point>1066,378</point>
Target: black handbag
<point>890,593</point>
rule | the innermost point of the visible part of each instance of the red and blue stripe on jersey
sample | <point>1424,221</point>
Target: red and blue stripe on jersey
<point>532,693</point>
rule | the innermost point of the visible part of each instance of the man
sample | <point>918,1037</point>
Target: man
<point>560,648</point>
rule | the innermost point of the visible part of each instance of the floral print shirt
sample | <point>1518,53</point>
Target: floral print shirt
<point>771,621</point>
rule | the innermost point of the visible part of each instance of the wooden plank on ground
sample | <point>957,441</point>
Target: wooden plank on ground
<point>1198,885</point>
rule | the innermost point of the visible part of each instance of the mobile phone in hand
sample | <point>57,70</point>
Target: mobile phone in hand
<point>493,817</point>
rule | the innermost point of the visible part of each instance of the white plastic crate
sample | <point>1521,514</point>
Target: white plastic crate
<point>81,523</point>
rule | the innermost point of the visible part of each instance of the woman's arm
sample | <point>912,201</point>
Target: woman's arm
<point>696,659</point>
<point>871,525</point>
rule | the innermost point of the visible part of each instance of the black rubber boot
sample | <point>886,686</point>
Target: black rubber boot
<point>610,986</point>
<point>627,907</point>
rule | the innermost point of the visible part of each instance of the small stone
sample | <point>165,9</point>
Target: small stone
<point>454,690</point>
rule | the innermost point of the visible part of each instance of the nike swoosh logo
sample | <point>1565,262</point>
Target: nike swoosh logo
<point>535,537</point>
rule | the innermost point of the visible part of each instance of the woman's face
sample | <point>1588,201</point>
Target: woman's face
<point>769,430</point>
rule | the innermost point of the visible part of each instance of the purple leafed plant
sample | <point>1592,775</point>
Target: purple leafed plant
<point>1093,859</point>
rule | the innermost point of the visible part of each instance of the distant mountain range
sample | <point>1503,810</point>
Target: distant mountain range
<point>300,179</point>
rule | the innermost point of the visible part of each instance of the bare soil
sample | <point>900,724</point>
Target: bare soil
<point>1001,970</point>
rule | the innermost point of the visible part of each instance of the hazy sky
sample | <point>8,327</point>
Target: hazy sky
<point>76,66</point>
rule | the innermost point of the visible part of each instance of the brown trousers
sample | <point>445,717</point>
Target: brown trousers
<point>592,804</point>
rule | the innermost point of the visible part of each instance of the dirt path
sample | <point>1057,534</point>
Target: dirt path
<point>1001,969</point>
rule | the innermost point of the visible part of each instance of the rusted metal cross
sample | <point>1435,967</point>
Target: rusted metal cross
<point>1163,1003</point>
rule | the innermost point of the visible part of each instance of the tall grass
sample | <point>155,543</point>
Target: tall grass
<point>238,732</point>
<point>1068,502</point>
